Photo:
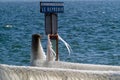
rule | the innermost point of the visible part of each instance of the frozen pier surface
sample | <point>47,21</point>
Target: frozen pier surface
<point>59,71</point>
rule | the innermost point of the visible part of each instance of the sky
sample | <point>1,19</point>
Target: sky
<point>18,0</point>
<point>55,0</point>
<point>44,0</point>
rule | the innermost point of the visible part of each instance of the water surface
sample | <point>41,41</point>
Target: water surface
<point>92,28</point>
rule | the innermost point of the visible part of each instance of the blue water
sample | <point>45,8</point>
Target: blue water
<point>92,28</point>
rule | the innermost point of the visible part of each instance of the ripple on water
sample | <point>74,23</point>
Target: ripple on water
<point>8,26</point>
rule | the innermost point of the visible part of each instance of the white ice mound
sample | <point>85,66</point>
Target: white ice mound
<point>59,71</point>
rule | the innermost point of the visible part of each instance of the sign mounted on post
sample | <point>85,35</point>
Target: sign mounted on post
<point>51,10</point>
<point>51,7</point>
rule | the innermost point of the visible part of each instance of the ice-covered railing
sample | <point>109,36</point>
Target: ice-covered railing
<point>83,72</point>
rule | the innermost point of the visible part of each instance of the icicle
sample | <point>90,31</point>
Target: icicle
<point>66,44</point>
<point>51,55</point>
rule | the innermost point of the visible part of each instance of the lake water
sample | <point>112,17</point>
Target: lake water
<point>92,28</point>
